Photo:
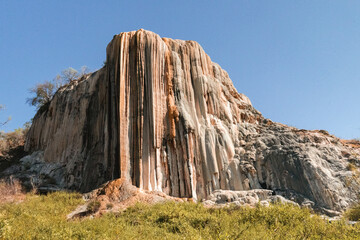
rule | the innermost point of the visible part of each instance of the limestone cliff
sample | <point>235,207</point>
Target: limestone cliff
<point>162,115</point>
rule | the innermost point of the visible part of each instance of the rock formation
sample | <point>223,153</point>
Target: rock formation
<point>161,115</point>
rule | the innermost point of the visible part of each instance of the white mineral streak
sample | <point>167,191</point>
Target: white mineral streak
<point>163,116</point>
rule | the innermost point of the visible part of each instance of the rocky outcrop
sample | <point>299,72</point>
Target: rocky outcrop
<point>164,117</point>
<point>249,198</point>
<point>116,196</point>
<point>36,174</point>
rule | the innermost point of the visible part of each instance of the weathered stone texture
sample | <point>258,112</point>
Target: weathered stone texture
<point>162,115</point>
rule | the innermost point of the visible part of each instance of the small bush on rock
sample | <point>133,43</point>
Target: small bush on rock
<point>353,214</point>
<point>93,206</point>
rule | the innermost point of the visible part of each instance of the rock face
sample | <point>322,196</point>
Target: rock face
<point>163,116</point>
<point>245,198</point>
<point>33,172</point>
<point>116,196</point>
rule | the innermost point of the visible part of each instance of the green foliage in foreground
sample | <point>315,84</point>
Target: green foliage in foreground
<point>353,214</point>
<point>44,217</point>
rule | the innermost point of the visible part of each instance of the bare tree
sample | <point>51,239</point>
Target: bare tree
<point>59,82</point>
<point>45,91</point>
<point>84,70</point>
<point>2,107</point>
<point>69,74</point>
<point>43,94</point>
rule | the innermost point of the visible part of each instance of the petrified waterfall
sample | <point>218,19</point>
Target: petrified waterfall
<point>163,116</point>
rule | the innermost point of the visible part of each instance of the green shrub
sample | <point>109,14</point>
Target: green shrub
<point>353,214</point>
<point>93,206</point>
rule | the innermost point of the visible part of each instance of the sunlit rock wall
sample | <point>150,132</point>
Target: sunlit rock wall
<point>162,115</point>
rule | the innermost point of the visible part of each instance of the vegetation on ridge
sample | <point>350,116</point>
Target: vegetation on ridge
<point>44,217</point>
<point>43,92</point>
<point>12,146</point>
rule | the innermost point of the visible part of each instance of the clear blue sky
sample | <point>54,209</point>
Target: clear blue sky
<point>298,61</point>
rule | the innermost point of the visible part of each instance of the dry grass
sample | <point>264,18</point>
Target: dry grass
<point>11,192</point>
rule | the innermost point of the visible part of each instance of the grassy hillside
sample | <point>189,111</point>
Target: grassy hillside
<point>44,217</point>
